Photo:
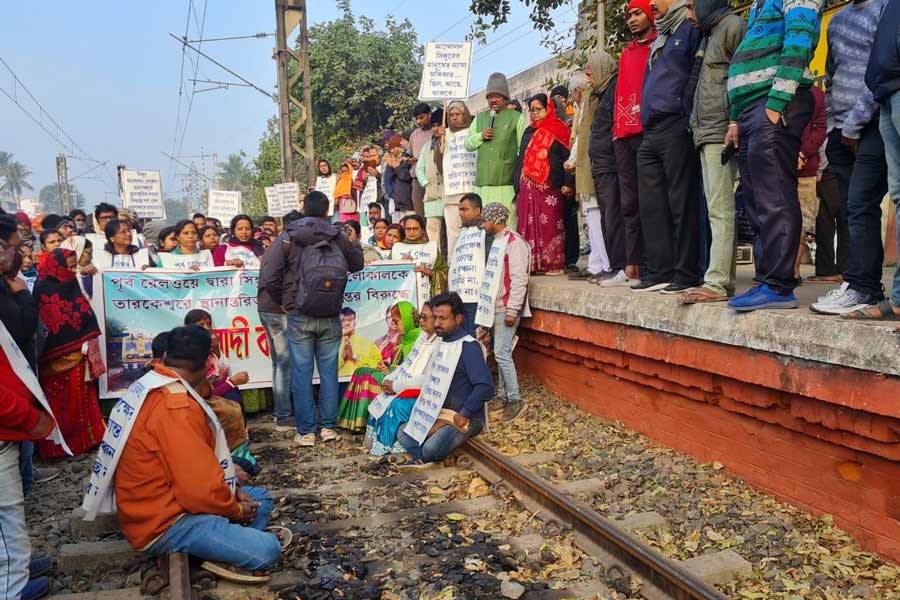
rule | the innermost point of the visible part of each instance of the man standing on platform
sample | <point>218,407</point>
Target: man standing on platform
<point>468,257</point>
<point>450,408</point>
<point>496,135</point>
<point>771,105</point>
<point>418,139</point>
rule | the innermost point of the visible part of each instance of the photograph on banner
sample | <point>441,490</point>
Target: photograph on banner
<point>133,306</point>
<point>223,204</point>
<point>289,196</point>
<point>142,193</point>
<point>445,74</point>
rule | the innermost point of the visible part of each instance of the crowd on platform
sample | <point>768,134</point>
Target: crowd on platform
<point>701,114</point>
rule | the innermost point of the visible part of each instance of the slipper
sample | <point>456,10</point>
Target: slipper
<point>284,535</point>
<point>701,294</point>
<point>885,312</point>
<point>232,573</point>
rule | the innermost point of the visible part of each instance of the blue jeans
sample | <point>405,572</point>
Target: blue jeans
<point>435,448</point>
<point>890,133</point>
<point>15,547</point>
<point>314,341</point>
<point>215,538</point>
<point>503,349</point>
<point>26,467</point>
<point>469,311</point>
<point>275,325</point>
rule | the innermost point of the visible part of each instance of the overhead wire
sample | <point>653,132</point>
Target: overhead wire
<point>181,87</point>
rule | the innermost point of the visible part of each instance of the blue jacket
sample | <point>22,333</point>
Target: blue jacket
<point>472,384</point>
<point>883,71</point>
<point>670,79</point>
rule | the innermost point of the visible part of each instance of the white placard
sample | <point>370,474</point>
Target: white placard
<point>446,72</point>
<point>143,193</point>
<point>223,205</point>
<point>273,202</point>
<point>459,165</point>
<point>326,185</point>
<point>289,196</point>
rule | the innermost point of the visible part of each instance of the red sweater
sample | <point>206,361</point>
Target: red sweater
<point>632,65</point>
<point>18,408</point>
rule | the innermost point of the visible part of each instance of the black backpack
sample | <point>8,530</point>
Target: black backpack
<point>321,279</point>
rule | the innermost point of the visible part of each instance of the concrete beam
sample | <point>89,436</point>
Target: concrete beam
<point>719,567</point>
<point>91,555</point>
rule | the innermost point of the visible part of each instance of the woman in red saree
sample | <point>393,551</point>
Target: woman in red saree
<point>543,186</point>
<point>70,361</point>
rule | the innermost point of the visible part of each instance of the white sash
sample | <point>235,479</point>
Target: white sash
<point>326,186</point>
<point>490,285</point>
<point>100,495</point>
<point>186,261</point>
<point>437,385</point>
<point>411,367</point>
<point>22,369</point>
<point>369,194</point>
<point>459,164</point>
<point>250,260</point>
<point>423,255</point>
<point>467,264</point>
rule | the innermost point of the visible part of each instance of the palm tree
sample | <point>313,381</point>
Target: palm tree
<point>5,159</point>
<point>15,176</point>
<point>233,173</point>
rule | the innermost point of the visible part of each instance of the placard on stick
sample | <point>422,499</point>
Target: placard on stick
<point>289,194</point>
<point>143,193</point>
<point>223,205</point>
<point>445,75</point>
<point>273,202</point>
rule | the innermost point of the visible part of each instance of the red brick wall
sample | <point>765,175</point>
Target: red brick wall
<point>822,437</point>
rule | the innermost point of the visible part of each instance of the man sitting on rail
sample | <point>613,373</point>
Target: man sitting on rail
<point>450,407</point>
<point>164,464</point>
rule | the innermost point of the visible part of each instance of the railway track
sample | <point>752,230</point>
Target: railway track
<point>481,526</point>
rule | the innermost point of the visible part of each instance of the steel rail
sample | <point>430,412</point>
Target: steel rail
<point>667,577</point>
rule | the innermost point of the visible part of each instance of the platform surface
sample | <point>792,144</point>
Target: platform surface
<point>799,333</point>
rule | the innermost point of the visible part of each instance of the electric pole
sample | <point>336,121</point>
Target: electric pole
<point>62,178</point>
<point>288,15</point>
<point>601,24</point>
<point>215,173</point>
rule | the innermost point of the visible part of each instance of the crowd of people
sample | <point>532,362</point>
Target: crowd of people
<point>700,114</point>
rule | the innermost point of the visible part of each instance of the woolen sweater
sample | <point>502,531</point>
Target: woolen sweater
<point>773,60</point>
<point>632,67</point>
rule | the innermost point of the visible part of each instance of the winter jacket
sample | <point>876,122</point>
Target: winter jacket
<point>632,68</point>
<point>814,135</point>
<point>277,275</point>
<point>19,312</point>
<point>883,70</point>
<point>402,180</point>
<point>668,83</point>
<point>264,301</point>
<point>600,150</point>
<point>19,412</point>
<point>709,116</point>
<point>559,154</point>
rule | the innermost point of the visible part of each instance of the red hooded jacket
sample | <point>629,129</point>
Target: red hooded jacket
<point>632,65</point>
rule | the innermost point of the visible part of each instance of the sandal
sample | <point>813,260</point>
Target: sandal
<point>698,295</point>
<point>284,535</point>
<point>232,573</point>
<point>884,308</point>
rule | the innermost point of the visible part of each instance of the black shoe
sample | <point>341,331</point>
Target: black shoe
<point>650,286</point>
<point>513,411</point>
<point>675,288</point>
<point>578,275</point>
<point>572,268</point>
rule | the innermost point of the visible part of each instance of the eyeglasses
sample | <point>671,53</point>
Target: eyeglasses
<point>536,110</point>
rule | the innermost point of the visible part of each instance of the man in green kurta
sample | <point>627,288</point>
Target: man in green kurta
<point>497,146</point>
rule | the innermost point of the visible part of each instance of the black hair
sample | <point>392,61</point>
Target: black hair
<point>377,221</point>
<point>111,229</point>
<point>542,98</point>
<point>373,205</point>
<point>421,109</point>
<point>188,348</point>
<point>180,225</point>
<point>269,218</point>
<point>46,233</point>
<point>200,215</point>
<point>515,104</point>
<point>164,233</point>
<point>473,199</point>
<point>450,299</point>
<point>356,227</point>
<point>323,160</point>
<point>161,345</point>
<point>241,217</point>
<point>348,312</point>
<point>104,207</point>
<point>76,212</point>
<point>196,315</point>
<point>427,303</point>
<point>417,218</point>
<point>8,226</point>
<point>397,227</point>
<point>560,90</point>
<point>206,228</point>
<point>88,244</point>
<point>437,117</point>
<point>316,204</point>
<point>292,216</point>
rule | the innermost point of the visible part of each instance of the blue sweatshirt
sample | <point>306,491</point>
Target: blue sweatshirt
<point>668,83</point>
<point>472,384</point>
<point>849,104</point>
<point>883,73</point>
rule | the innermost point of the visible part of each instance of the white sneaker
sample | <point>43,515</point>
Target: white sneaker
<point>307,440</point>
<point>283,428</point>
<point>328,435</point>
<point>841,301</point>
<point>620,279</point>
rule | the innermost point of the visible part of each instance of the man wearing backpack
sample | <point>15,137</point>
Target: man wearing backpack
<point>306,274</point>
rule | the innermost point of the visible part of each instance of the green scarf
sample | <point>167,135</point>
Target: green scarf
<point>410,331</point>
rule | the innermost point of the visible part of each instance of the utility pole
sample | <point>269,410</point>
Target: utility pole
<point>62,178</point>
<point>288,15</point>
<point>601,24</point>
<point>215,173</point>
<point>204,185</point>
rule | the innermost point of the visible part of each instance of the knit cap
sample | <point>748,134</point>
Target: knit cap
<point>497,84</point>
<point>644,6</point>
<point>495,213</point>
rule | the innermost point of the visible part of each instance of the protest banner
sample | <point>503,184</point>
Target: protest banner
<point>326,185</point>
<point>223,205</point>
<point>273,202</point>
<point>133,306</point>
<point>445,75</point>
<point>289,196</point>
<point>142,192</point>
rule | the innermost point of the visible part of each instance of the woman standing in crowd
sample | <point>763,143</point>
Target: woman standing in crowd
<point>426,254</point>
<point>84,253</point>
<point>542,183</point>
<point>242,250</point>
<point>119,250</point>
<point>393,234</point>
<point>165,242</point>
<point>404,382</point>
<point>326,183</point>
<point>343,194</point>
<point>209,238</point>
<point>458,121</point>
<point>70,360</point>
<point>366,381</point>
<point>187,234</point>
<point>379,228</point>
<point>29,269</point>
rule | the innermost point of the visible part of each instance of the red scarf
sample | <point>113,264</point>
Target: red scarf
<point>536,164</point>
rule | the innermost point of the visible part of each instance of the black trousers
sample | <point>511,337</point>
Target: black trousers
<point>831,221</point>
<point>768,162</point>
<point>609,201</point>
<point>572,248</point>
<point>862,181</point>
<point>668,167</point>
<point>626,163</point>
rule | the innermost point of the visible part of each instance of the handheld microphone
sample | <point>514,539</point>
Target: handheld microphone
<point>493,114</point>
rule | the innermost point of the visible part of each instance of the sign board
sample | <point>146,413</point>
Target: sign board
<point>223,205</point>
<point>142,192</point>
<point>446,72</point>
<point>273,202</point>
<point>289,196</point>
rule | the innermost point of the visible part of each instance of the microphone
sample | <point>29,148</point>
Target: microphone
<point>493,114</point>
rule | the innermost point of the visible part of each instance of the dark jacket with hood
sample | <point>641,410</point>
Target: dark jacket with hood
<point>603,158</point>
<point>282,260</point>
<point>883,71</point>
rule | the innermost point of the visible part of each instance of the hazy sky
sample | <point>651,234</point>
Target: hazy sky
<point>108,73</point>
